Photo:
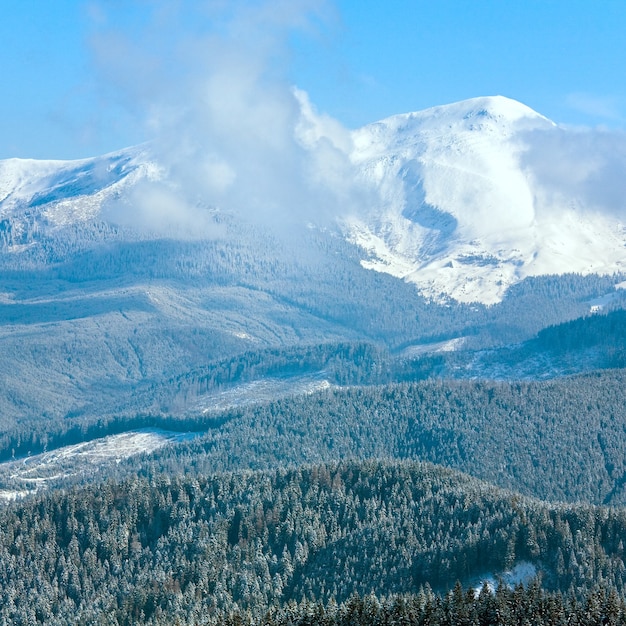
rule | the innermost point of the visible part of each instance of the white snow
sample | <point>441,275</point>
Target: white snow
<point>9,495</point>
<point>39,469</point>
<point>463,200</point>
<point>522,573</point>
<point>258,391</point>
<point>599,304</point>
<point>449,345</point>
<point>67,192</point>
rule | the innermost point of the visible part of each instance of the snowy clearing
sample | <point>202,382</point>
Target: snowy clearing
<point>33,472</point>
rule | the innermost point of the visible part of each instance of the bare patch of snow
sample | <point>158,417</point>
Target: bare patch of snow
<point>10,495</point>
<point>39,469</point>
<point>259,391</point>
<point>450,345</point>
<point>522,573</point>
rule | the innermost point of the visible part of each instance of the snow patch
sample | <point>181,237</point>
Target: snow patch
<point>450,345</point>
<point>9,495</point>
<point>599,304</point>
<point>259,391</point>
<point>38,470</point>
<point>523,573</point>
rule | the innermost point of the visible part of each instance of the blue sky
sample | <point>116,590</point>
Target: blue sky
<point>81,78</point>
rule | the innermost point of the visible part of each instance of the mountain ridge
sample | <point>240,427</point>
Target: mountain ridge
<point>116,278</point>
<point>455,201</point>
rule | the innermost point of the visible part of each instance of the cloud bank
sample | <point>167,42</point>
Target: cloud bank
<point>209,81</point>
<point>579,167</point>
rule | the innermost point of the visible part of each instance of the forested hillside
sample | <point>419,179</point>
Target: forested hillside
<point>96,318</point>
<point>507,607</point>
<point>559,440</point>
<point>163,549</point>
<point>594,341</point>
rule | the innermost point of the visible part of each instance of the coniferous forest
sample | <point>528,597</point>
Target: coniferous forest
<point>368,502</point>
<point>370,540</point>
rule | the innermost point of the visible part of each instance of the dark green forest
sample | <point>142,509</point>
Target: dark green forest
<point>162,549</point>
<point>558,440</point>
<point>561,439</point>
<point>505,607</point>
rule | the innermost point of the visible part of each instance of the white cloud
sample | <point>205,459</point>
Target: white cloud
<point>209,81</point>
<point>158,209</point>
<point>584,166</point>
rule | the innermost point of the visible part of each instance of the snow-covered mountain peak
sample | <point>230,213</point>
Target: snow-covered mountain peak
<point>490,107</point>
<point>461,210</point>
<point>51,193</point>
<point>493,114</point>
<point>476,114</point>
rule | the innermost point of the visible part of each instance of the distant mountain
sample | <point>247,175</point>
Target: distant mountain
<point>39,196</point>
<point>463,199</point>
<point>119,278</point>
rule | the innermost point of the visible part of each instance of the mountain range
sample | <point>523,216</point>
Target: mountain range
<point>118,277</point>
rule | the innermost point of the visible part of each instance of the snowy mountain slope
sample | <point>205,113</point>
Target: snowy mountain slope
<point>50,207</point>
<point>103,298</point>
<point>463,210</point>
<point>57,185</point>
